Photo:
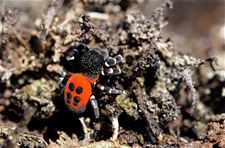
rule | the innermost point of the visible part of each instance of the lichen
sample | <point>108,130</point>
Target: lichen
<point>127,104</point>
<point>38,94</point>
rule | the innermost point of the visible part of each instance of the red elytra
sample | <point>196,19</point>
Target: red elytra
<point>78,91</point>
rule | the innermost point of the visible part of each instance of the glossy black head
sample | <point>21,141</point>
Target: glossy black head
<point>84,60</point>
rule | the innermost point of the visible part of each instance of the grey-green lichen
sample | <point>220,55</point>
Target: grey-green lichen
<point>23,139</point>
<point>129,106</point>
<point>38,94</point>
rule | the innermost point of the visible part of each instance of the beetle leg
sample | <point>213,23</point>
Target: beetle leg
<point>85,129</point>
<point>112,71</point>
<point>63,75</point>
<point>71,54</point>
<point>70,58</point>
<point>62,82</point>
<point>111,65</point>
<point>119,59</point>
<point>94,104</point>
<point>110,90</point>
<point>112,61</point>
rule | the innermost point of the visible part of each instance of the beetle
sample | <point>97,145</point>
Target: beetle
<point>85,65</point>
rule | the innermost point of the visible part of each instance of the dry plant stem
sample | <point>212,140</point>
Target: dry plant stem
<point>115,127</point>
<point>187,73</point>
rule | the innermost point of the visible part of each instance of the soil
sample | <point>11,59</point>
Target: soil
<point>160,73</point>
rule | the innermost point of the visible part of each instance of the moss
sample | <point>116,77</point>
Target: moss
<point>129,106</point>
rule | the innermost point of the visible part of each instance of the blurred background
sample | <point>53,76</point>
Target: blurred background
<point>196,27</point>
